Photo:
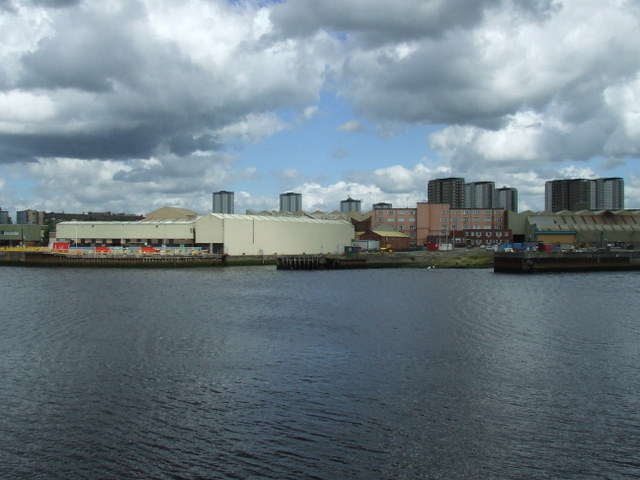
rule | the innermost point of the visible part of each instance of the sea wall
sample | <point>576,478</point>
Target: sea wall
<point>536,262</point>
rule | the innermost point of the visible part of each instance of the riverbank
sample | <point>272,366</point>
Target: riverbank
<point>420,259</point>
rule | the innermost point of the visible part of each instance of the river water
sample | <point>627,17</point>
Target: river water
<point>364,374</point>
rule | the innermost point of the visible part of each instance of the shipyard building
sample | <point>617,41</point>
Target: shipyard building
<point>218,233</point>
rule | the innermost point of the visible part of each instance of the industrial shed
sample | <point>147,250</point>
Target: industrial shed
<point>268,235</point>
<point>166,232</point>
<point>595,228</point>
<point>218,233</point>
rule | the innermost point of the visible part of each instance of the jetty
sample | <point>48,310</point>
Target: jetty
<point>539,262</point>
<point>319,262</point>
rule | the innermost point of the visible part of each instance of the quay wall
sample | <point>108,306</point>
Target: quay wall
<point>41,259</point>
<point>538,262</point>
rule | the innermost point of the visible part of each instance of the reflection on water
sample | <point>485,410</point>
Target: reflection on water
<point>258,373</point>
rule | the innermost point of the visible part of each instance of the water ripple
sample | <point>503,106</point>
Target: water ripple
<point>255,373</point>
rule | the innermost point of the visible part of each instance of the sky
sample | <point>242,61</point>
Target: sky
<point>131,105</point>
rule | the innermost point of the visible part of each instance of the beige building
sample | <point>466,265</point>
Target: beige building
<point>219,233</point>
<point>263,234</point>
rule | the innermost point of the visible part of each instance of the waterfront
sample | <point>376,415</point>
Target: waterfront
<point>258,373</point>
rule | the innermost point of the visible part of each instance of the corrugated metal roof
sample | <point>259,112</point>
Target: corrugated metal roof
<point>137,222</point>
<point>277,218</point>
<point>389,233</point>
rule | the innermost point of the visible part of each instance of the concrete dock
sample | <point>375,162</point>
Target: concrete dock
<point>537,262</point>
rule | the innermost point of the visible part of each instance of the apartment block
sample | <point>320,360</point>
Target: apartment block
<point>609,193</point>
<point>506,198</point>
<point>29,217</point>
<point>350,205</point>
<point>447,190</point>
<point>572,194</point>
<point>223,202</point>
<point>4,217</point>
<point>290,202</point>
<point>581,194</point>
<point>479,195</point>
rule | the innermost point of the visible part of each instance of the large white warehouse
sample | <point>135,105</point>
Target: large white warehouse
<point>264,234</point>
<point>225,233</point>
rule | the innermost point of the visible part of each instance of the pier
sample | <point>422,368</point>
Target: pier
<point>538,262</point>
<point>319,262</point>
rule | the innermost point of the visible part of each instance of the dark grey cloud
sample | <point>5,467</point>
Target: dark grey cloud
<point>57,3</point>
<point>120,84</point>
<point>10,5</point>
<point>129,143</point>
<point>376,23</point>
<point>89,53</point>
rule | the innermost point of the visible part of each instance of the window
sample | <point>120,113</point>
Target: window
<point>379,212</point>
<point>390,220</point>
<point>498,220</point>
<point>412,219</point>
<point>412,212</point>
<point>400,212</point>
<point>390,212</point>
<point>465,219</point>
<point>412,227</point>
<point>454,227</point>
<point>400,227</point>
<point>465,212</point>
<point>487,212</point>
<point>454,219</point>
<point>443,227</point>
<point>444,220</point>
<point>380,220</point>
<point>476,219</point>
<point>498,234</point>
<point>401,219</point>
<point>487,219</point>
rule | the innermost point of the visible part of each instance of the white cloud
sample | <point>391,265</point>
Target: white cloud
<point>353,126</point>
<point>311,112</point>
<point>253,127</point>
<point>142,100</point>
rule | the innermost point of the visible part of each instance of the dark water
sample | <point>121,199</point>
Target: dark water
<point>256,373</point>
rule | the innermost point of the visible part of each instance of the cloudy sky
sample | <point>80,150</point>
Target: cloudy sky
<point>129,105</point>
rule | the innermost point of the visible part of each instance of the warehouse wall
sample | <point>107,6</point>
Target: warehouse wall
<point>240,234</point>
<point>255,235</point>
<point>130,231</point>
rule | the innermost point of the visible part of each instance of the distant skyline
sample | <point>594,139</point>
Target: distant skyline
<point>130,105</point>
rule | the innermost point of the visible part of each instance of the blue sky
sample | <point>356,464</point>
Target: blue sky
<point>129,105</point>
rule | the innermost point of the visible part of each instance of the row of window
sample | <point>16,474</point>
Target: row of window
<point>466,227</point>
<point>391,220</point>
<point>487,234</point>
<point>475,212</point>
<point>475,219</point>
<point>392,212</point>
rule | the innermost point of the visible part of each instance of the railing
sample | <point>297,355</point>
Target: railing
<point>25,249</point>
